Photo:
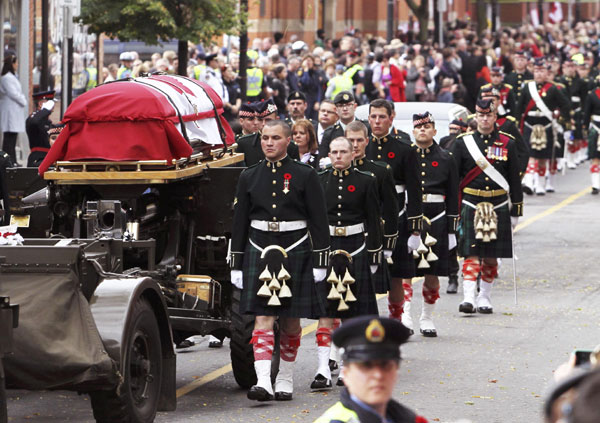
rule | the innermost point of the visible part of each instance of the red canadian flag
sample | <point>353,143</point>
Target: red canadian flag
<point>556,14</point>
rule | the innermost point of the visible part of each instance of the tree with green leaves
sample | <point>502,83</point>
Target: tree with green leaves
<point>153,21</point>
<point>421,12</point>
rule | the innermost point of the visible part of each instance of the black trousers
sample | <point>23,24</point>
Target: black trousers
<point>9,143</point>
<point>452,262</point>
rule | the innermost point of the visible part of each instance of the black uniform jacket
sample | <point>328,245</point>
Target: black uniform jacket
<point>37,126</point>
<point>591,107</point>
<point>508,124</point>
<point>550,95</point>
<point>260,196</point>
<point>516,81</point>
<point>250,146</point>
<point>508,168</point>
<point>331,133</point>
<point>508,97</point>
<point>576,90</point>
<point>352,198</point>
<point>387,197</point>
<point>397,151</point>
<point>440,176</point>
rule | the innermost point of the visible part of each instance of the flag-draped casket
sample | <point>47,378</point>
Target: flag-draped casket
<point>160,117</point>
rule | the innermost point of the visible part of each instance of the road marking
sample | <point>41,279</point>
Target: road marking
<point>186,389</point>
<point>552,209</point>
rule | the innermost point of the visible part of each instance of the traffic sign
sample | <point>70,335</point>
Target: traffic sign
<point>75,6</point>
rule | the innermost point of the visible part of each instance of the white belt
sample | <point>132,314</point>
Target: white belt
<point>575,98</point>
<point>265,225</point>
<point>400,188</point>
<point>359,228</point>
<point>433,198</point>
<point>596,118</point>
<point>531,126</point>
<point>536,113</point>
<point>438,217</point>
<point>287,250</point>
<point>467,203</point>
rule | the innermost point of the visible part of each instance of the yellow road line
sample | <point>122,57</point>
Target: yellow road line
<point>186,389</point>
<point>552,209</point>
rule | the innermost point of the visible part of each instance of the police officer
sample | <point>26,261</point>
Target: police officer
<point>394,147</point>
<point>440,220</point>
<point>355,72</point>
<point>126,68</point>
<point>279,233</point>
<point>37,126</point>
<point>250,144</point>
<point>255,78</point>
<point>488,169</point>
<point>372,358</point>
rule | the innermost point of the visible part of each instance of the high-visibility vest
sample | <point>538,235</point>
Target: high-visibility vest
<point>123,72</point>
<point>338,413</point>
<point>351,71</point>
<point>342,83</point>
<point>92,78</point>
<point>198,71</point>
<point>255,79</point>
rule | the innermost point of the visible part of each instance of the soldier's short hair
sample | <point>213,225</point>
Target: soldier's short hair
<point>357,126</point>
<point>382,103</point>
<point>287,131</point>
<point>341,139</point>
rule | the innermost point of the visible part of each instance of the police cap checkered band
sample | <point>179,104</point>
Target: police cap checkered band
<point>490,92</point>
<point>246,110</point>
<point>422,118</point>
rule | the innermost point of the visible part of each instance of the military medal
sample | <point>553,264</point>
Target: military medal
<point>286,183</point>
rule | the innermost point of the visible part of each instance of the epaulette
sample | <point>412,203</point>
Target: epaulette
<point>465,133</point>
<point>369,174</point>
<point>511,118</point>
<point>560,84</point>
<point>507,134</point>
<point>471,116</point>
<point>302,163</point>
<point>510,87</point>
<point>528,81</point>
<point>486,85</point>
<point>323,171</point>
<point>381,164</point>
<point>253,166</point>
<point>248,136</point>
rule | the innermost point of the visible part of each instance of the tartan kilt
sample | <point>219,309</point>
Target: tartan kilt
<point>381,278</point>
<point>438,230</point>
<point>593,152</point>
<point>303,303</point>
<point>469,246</point>
<point>404,264</point>
<point>363,289</point>
<point>546,153</point>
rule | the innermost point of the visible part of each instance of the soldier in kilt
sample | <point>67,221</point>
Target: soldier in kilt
<point>591,120</point>
<point>440,218</point>
<point>395,148</point>
<point>353,211</point>
<point>279,234</point>
<point>488,169</point>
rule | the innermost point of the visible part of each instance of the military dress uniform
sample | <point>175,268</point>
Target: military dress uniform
<point>37,126</point>
<point>507,97</point>
<point>353,211</point>
<point>389,213</point>
<point>591,120</point>
<point>250,146</point>
<point>280,203</point>
<point>396,150</point>
<point>516,80</point>
<point>485,224</point>
<point>576,90</point>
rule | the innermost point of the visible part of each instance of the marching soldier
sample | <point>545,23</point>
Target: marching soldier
<point>507,104</point>
<point>353,211</point>
<point>394,148</point>
<point>372,358</point>
<point>583,70</point>
<point>591,120</point>
<point>440,218</point>
<point>250,144</point>
<point>576,89</point>
<point>541,105</point>
<point>37,126</point>
<point>280,232</point>
<point>488,169</point>
<point>519,75</point>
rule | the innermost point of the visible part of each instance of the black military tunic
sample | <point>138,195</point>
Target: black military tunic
<point>250,146</point>
<point>389,213</point>
<point>502,150</point>
<point>331,133</point>
<point>440,215</point>
<point>272,192</point>
<point>352,199</point>
<point>516,80</point>
<point>37,126</point>
<point>507,97</point>
<point>397,151</point>
<point>591,120</point>
<point>531,116</point>
<point>576,89</point>
<point>508,125</point>
<point>5,163</point>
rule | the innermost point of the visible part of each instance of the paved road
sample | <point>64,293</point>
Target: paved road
<point>492,368</point>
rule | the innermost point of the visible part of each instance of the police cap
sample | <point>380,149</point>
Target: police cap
<point>343,97</point>
<point>247,110</point>
<point>371,338</point>
<point>265,108</point>
<point>43,95</point>
<point>296,95</point>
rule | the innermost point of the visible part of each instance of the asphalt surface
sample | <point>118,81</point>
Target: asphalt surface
<point>482,368</point>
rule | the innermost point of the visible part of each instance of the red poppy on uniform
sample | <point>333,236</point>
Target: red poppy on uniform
<point>351,188</point>
<point>391,155</point>
<point>287,176</point>
<point>434,164</point>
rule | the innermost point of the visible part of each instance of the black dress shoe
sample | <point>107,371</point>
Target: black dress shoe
<point>333,365</point>
<point>186,343</point>
<point>340,382</point>
<point>283,396</point>
<point>215,344</point>
<point>527,190</point>
<point>429,333</point>
<point>466,308</point>
<point>452,285</point>
<point>320,383</point>
<point>485,310</point>
<point>595,191</point>
<point>257,393</point>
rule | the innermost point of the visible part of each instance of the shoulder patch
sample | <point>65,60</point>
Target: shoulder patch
<point>507,134</point>
<point>512,119</point>
<point>510,87</point>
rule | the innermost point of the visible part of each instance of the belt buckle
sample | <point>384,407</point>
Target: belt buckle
<point>273,226</point>
<point>340,231</point>
<point>424,198</point>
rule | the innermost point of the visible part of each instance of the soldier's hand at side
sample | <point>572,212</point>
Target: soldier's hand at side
<point>373,268</point>
<point>413,242</point>
<point>387,254</point>
<point>237,279</point>
<point>319,274</point>
<point>48,105</point>
<point>451,241</point>
<point>514,221</point>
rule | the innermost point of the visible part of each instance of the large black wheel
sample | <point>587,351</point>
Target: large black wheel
<point>242,355</point>
<point>137,399</point>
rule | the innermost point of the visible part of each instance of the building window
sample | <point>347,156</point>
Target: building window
<point>263,8</point>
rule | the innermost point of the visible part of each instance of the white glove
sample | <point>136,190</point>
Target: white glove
<point>237,279</point>
<point>514,221</point>
<point>373,268</point>
<point>451,241</point>
<point>319,274</point>
<point>324,162</point>
<point>387,254</point>
<point>48,105</point>
<point>413,242</point>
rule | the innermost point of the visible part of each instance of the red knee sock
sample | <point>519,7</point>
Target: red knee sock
<point>489,272</point>
<point>395,310</point>
<point>595,168</point>
<point>430,296</point>
<point>264,343</point>
<point>408,291</point>
<point>336,323</point>
<point>324,337</point>
<point>288,346</point>
<point>471,269</point>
